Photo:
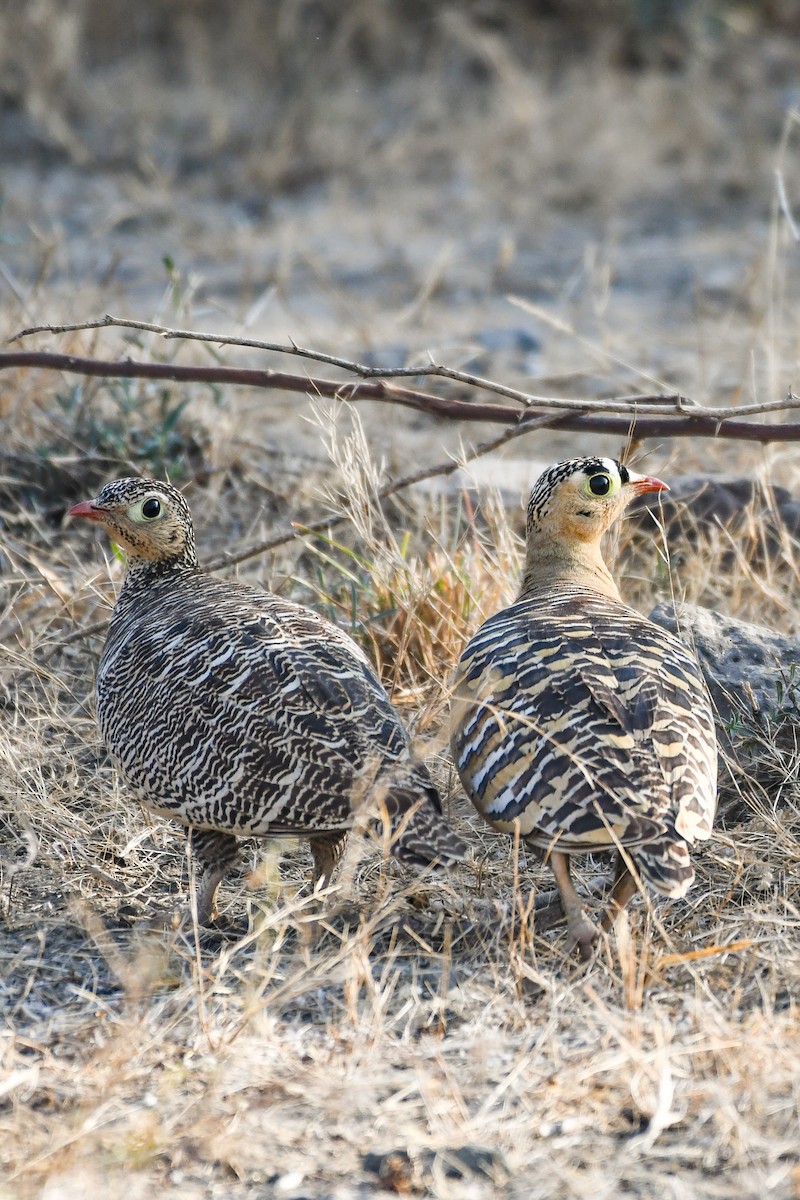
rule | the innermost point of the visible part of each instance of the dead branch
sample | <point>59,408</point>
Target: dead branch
<point>670,403</point>
<point>457,410</point>
<point>654,416</point>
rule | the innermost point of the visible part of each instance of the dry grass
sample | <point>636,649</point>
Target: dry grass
<point>431,1021</point>
<point>427,1041</point>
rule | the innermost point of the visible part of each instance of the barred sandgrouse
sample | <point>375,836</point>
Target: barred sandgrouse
<point>575,719</point>
<point>238,713</point>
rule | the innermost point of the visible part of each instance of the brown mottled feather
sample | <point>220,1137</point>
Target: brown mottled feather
<point>577,720</point>
<point>239,713</point>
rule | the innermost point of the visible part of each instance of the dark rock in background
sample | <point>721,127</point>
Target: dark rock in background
<point>697,501</point>
<point>753,674</point>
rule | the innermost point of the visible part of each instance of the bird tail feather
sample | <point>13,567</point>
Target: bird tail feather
<point>420,833</point>
<point>666,866</point>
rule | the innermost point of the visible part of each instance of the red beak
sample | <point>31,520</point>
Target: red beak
<point>88,509</point>
<point>647,483</point>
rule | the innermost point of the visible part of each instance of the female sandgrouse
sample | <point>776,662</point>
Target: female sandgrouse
<point>578,721</point>
<point>238,713</point>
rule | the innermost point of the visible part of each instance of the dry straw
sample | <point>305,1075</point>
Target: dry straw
<point>423,1036</point>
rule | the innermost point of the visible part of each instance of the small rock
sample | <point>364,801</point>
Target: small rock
<point>463,1161</point>
<point>749,669</point>
<point>288,1183</point>
<point>753,675</point>
<point>508,339</point>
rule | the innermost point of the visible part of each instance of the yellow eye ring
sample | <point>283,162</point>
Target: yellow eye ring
<point>600,484</point>
<point>149,509</point>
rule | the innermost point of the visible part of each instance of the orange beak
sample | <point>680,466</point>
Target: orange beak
<point>88,509</point>
<point>646,483</point>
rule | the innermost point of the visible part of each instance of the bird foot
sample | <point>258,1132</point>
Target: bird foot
<point>584,934</point>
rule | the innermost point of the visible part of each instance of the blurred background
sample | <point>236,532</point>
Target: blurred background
<point>578,198</point>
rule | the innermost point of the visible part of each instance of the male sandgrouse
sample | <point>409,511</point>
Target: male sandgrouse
<point>238,713</point>
<point>577,720</point>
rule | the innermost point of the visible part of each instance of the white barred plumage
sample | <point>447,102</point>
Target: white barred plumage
<point>577,720</point>
<point>238,713</point>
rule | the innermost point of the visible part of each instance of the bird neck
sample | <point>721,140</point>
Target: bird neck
<point>551,564</point>
<point>144,573</point>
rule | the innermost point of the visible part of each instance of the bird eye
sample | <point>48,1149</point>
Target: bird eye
<point>600,485</point>
<point>151,509</point>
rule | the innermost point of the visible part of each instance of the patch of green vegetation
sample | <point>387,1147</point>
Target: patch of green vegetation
<point>131,421</point>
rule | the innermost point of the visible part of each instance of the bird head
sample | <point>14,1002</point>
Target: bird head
<point>579,499</point>
<point>149,519</point>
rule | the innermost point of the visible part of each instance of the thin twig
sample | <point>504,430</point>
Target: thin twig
<point>667,402</point>
<point>595,416</point>
<point>332,360</point>
<point>440,469</point>
<point>370,389</point>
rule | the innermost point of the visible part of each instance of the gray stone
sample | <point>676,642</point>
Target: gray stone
<point>753,674</point>
<point>401,1170</point>
<point>762,517</point>
<point>748,668</point>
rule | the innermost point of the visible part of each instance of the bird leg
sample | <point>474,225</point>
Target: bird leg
<point>583,933</point>
<point>326,850</point>
<point>215,852</point>
<point>624,887</point>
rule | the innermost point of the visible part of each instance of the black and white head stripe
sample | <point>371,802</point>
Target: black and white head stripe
<point>122,493</point>
<point>549,480</point>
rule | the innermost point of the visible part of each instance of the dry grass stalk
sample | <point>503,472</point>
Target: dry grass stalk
<point>426,1038</point>
<point>432,1021</point>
